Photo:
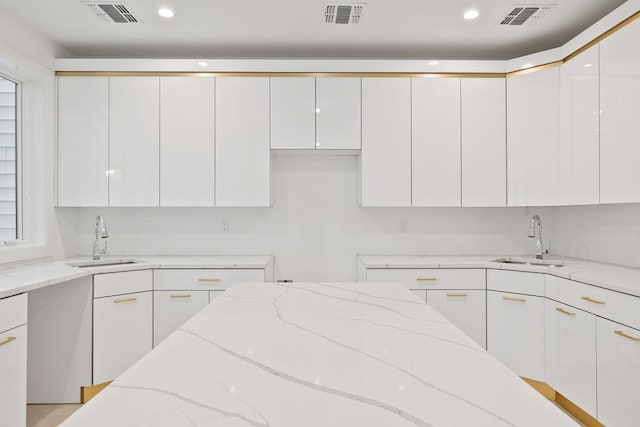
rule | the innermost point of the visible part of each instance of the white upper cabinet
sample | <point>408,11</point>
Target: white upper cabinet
<point>619,105</point>
<point>579,137</point>
<point>293,113</point>
<point>83,141</point>
<point>436,170</point>
<point>242,142</point>
<point>385,169</point>
<point>187,141</point>
<point>338,117</point>
<point>533,138</point>
<point>484,142</point>
<point>134,147</point>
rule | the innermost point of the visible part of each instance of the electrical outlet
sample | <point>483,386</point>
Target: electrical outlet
<point>402,225</point>
<point>225,225</point>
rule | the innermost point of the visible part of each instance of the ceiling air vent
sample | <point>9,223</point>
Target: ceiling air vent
<point>343,13</point>
<point>118,12</point>
<point>525,14</point>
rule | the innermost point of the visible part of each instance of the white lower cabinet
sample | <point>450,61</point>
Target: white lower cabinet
<point>172,309</point>
<point>618,371</point>
<point>515,332</point>
<point>420,293</point>
<point>13,376</point>
<point>466,309</point>
<point>570,353</point>
<point>122,325</point>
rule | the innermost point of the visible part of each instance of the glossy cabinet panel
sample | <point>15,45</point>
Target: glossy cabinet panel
<point>533,138</point>
<point>484,142</point>
<point>134,141</point>
<point>619,105</point>
<point>385,161</point>
<point>83,141</point>
<point>13,377</point>
<point>338,113</point>
<point>187,143</point>
<point>171,309</point>
<point>293,113</point>
<point>243,159</point>
<point>430,278</point>
<point>466,309</point>
<point>435,155</point>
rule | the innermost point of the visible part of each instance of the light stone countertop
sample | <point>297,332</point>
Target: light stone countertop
<point>318,354</point>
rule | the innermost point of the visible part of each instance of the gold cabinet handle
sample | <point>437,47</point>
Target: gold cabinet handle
<point>118,301</point>
<point>457,295</point>
<point>181,296</point>
<point>426,279</point>
<point>8,340</point>
<point>208,279</point>
<point>563,311</point>
<point>514,299</point>
<point>622,334</point>
<point>595,301</point>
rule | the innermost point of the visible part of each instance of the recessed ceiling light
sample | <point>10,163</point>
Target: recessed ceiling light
<point>434,63</point>
<point>165,12</point>
<point>203,64</point>
<point>471,14</point>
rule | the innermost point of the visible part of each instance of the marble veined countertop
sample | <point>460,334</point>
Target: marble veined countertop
<point>27,277</point>
<point>318,354</point>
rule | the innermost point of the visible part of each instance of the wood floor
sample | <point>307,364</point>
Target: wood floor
<point>49,415</point>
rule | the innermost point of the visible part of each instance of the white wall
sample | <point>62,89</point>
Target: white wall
<point>315,227</point>
<point>607,233</point>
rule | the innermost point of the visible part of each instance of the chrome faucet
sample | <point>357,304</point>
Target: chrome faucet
<point>535,229</point>
<point>100,232</point>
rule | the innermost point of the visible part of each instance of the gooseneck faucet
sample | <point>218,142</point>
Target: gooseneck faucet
<point>100,233</point>
<point>535,230</point>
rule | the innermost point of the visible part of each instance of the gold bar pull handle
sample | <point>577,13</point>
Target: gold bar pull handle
<point>595,301</point>
<point>457,295</point>
<point>181,295</point>
<point>208,279</point>
<point>426,279</point>
<point>120,300</point>
<point>514,299</point>
<point>622,334</point>
<point>563,311</point>
<point>8,340</point>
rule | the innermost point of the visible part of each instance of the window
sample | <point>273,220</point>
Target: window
<point>9,200</point>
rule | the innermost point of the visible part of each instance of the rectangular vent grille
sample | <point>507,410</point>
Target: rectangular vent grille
<point>519,15</point>
<point>113,12</point>
<point>344,13</point>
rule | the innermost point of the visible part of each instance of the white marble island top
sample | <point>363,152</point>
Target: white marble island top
<point>306,354</point>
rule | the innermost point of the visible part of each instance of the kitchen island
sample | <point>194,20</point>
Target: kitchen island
<point>318,354</point>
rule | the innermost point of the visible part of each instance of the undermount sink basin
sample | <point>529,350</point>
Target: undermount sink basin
<point>531,261</point>
<point>102,262</point>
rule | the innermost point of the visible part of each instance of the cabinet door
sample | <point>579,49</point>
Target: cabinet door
<point>83,141</point>
<point>385,160</point>
<point>619,105</point>
<point>618,373</point>
<point>466,309</point>
<point>484,142</point>
<point>533,138</point>
<point>242,142</point>
<point>13,371</point>
<point>570,353</point>
<point>293,114</point>
<point>122,333</point>
<point>187,141</point>
<point>435,155</point>
<point>338,113</point>
<point>214,294</point>
<point>515,332</point>
<point>134,141</point>
<point>172,309</point>
<point>420,293</point>
<point>579,137</point>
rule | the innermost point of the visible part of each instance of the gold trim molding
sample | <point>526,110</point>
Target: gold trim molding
<point>89,392</point>
<point>541,67</point>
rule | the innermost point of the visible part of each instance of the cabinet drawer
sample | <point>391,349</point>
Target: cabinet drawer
<point>516,282</point>
<point>420,293</point>
<point>467,310</point>
<point>13,377</point>
<point>13,312</point>
<point>172,309</point>
<point>602,302</point>
<point>125,282</point>
<point>204,279</point>
<point>430,278</point>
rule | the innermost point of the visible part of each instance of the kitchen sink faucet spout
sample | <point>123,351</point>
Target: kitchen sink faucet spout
<point>100,233</point>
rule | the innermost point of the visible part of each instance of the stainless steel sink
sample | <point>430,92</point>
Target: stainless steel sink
<point>530,261</point>
<point>102,262</point>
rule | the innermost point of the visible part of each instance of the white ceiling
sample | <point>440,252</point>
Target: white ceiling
<point>296,28</point>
